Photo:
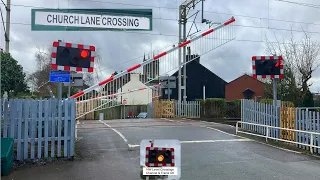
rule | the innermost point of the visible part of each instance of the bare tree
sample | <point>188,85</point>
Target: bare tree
<point>91,78</point>
<point>301,59</point>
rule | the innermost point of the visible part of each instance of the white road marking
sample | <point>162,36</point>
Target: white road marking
<point>243,138</point>
<point>134,145</point>
<point>256,141</point>
<point>225,132</point>
<point>205,141</point>
<point>212,141</point>
<point>119,133</point>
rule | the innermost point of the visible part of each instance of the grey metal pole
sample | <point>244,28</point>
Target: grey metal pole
<point>124,111</point>
<point>274,92</point>
<point>0,95</point>
<point>59,90</point>
<point>121,112</point>
<point>7,33</point>
<point>69,90</point>
<point>69,86</point>
<point>179,61</point>
<point>275,101</point>
<point>184,56</point>
<point>204,92</point>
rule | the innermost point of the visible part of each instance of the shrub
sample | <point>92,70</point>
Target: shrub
<point>234,109</point>
<point>213,107</point>
<point>283,103</point>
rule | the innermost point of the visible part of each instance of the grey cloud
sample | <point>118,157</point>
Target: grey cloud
<point>116,48</point>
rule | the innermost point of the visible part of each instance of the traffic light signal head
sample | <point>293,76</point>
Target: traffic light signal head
<point>72,57</point>
<point>156,157</point>
<point>267,67</point>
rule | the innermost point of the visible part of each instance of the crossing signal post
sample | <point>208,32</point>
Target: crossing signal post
<point>71,57</point>
<point>269,67</point>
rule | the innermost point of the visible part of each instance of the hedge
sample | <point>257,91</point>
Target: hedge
<point>283,103</point>
<point>219,108</point>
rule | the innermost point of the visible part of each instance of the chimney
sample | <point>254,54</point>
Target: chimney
<point>134,77</point>
<point>192,57</point>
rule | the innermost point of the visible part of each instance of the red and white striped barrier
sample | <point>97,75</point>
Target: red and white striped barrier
<point>151,59</point>
<point>116,94</point>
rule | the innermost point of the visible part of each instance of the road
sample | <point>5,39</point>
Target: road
<point>207,154</point>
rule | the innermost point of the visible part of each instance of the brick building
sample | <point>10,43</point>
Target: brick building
<point>244,87</point>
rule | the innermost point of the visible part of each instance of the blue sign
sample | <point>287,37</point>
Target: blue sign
<point>60,76</point>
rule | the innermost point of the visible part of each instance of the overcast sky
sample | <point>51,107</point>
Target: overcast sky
<point>255,19</point>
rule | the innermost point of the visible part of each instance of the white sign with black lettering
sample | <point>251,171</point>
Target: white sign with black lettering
<point>91,21</point>
<point>160,171</point>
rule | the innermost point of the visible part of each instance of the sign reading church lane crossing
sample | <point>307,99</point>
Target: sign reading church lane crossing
<point>91,19</point>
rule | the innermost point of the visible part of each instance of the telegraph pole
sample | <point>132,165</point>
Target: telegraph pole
<point>179,58</point>
<point>275,99</point>
<point>0,92</point>
<point>7,33</point>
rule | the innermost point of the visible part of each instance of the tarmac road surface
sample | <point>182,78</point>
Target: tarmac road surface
<point>209,152</point>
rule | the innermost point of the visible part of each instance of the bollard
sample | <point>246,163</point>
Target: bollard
<point>267,133</point>
<point>311,143</point>
<point>101,117</point>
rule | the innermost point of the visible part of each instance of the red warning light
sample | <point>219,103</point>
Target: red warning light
<point>84,53</point>
<point>277,64</point>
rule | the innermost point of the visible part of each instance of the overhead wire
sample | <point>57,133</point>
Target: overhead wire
<point>215,12</point>
<point>4,27</point>
<point>301,4</point>
<point>169,19</point>
<point>3,3</point>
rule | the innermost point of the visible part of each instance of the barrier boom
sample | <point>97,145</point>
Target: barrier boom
<point>121,93</point>
<point>151,59</point>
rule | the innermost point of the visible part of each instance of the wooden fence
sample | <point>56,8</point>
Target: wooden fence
<point>40,128</point>
<point>171,109</point>
<point>164,109</point>
<point>287,120</point>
